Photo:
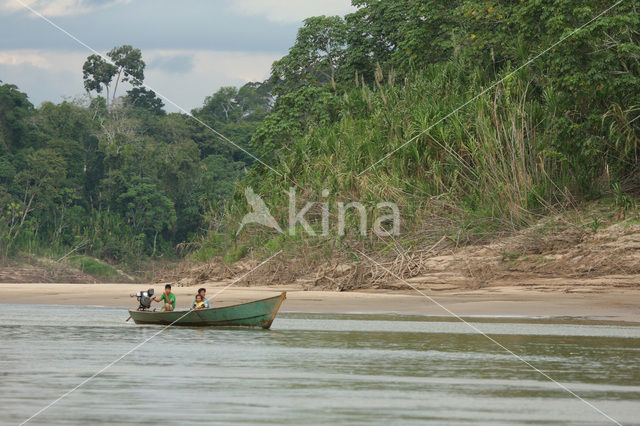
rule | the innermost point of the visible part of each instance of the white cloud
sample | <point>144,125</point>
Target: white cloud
<point>54,8</point>
<point>292,10</point>
<point>45,60</point>
<point>43,75</point>
<point>211,70</point>
<point>19,57</point>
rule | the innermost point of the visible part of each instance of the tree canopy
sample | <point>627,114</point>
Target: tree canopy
<point>124,63</point>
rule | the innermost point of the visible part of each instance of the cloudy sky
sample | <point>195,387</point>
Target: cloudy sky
<point>191,47</point>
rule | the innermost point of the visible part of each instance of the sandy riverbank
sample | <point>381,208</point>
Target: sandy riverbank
<point>614,304</point>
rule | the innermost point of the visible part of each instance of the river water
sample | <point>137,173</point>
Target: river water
<point>314,369</point>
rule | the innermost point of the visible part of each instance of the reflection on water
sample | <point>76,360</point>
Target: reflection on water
<point>311,368</point>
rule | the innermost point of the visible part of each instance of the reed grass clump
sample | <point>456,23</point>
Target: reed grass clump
<point>491,167</point>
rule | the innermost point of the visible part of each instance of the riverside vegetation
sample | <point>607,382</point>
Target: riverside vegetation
<point>117,178</point>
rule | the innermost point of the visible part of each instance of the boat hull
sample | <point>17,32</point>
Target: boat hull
<point>259,313</point>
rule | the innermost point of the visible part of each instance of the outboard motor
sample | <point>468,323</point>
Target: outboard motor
<point>144,298</point>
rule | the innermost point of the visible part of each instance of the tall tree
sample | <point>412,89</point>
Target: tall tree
<point>126,65</point>
<point>316,55</point>
<point>14,109</point>
<point>97,74</point>
<point>130,66</point>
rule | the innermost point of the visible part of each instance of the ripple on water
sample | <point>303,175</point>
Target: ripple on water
<point>313,369</point>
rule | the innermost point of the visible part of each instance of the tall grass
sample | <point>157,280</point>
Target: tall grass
<point>490,166</point>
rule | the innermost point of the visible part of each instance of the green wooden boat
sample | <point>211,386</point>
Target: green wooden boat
<point>259,313</point>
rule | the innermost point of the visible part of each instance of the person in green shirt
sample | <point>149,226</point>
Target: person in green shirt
<point>167,298</point>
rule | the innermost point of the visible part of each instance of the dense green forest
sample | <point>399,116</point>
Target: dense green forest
<point>122,179</point>
<point>482,145</point>
<point>117,177</point>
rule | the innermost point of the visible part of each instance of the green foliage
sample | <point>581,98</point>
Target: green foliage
<point>553,132</point>
<point>293,115</point>
<point>219,176</point>
<point>624,202</point>
<point>236,114</point>
<point>145,207</point>
<point>129,64</point>
<point>403,35</point>
<point>139,97</point>
<point>286,242</point>
<point>125,65</point>
<point>94,267</point>
<point>14,109</point>
<point>236,253</point>
<point>318,52</point>
<point>212,245</point>
<point>595,224</point>
<point>97,74</point>
<point>121,182</point>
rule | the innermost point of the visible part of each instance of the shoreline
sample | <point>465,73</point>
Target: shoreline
<point>489,302</point>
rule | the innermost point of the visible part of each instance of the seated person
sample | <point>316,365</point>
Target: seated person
<point>168,299</point>
<point>198,303</point>
<point>205,302</point>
